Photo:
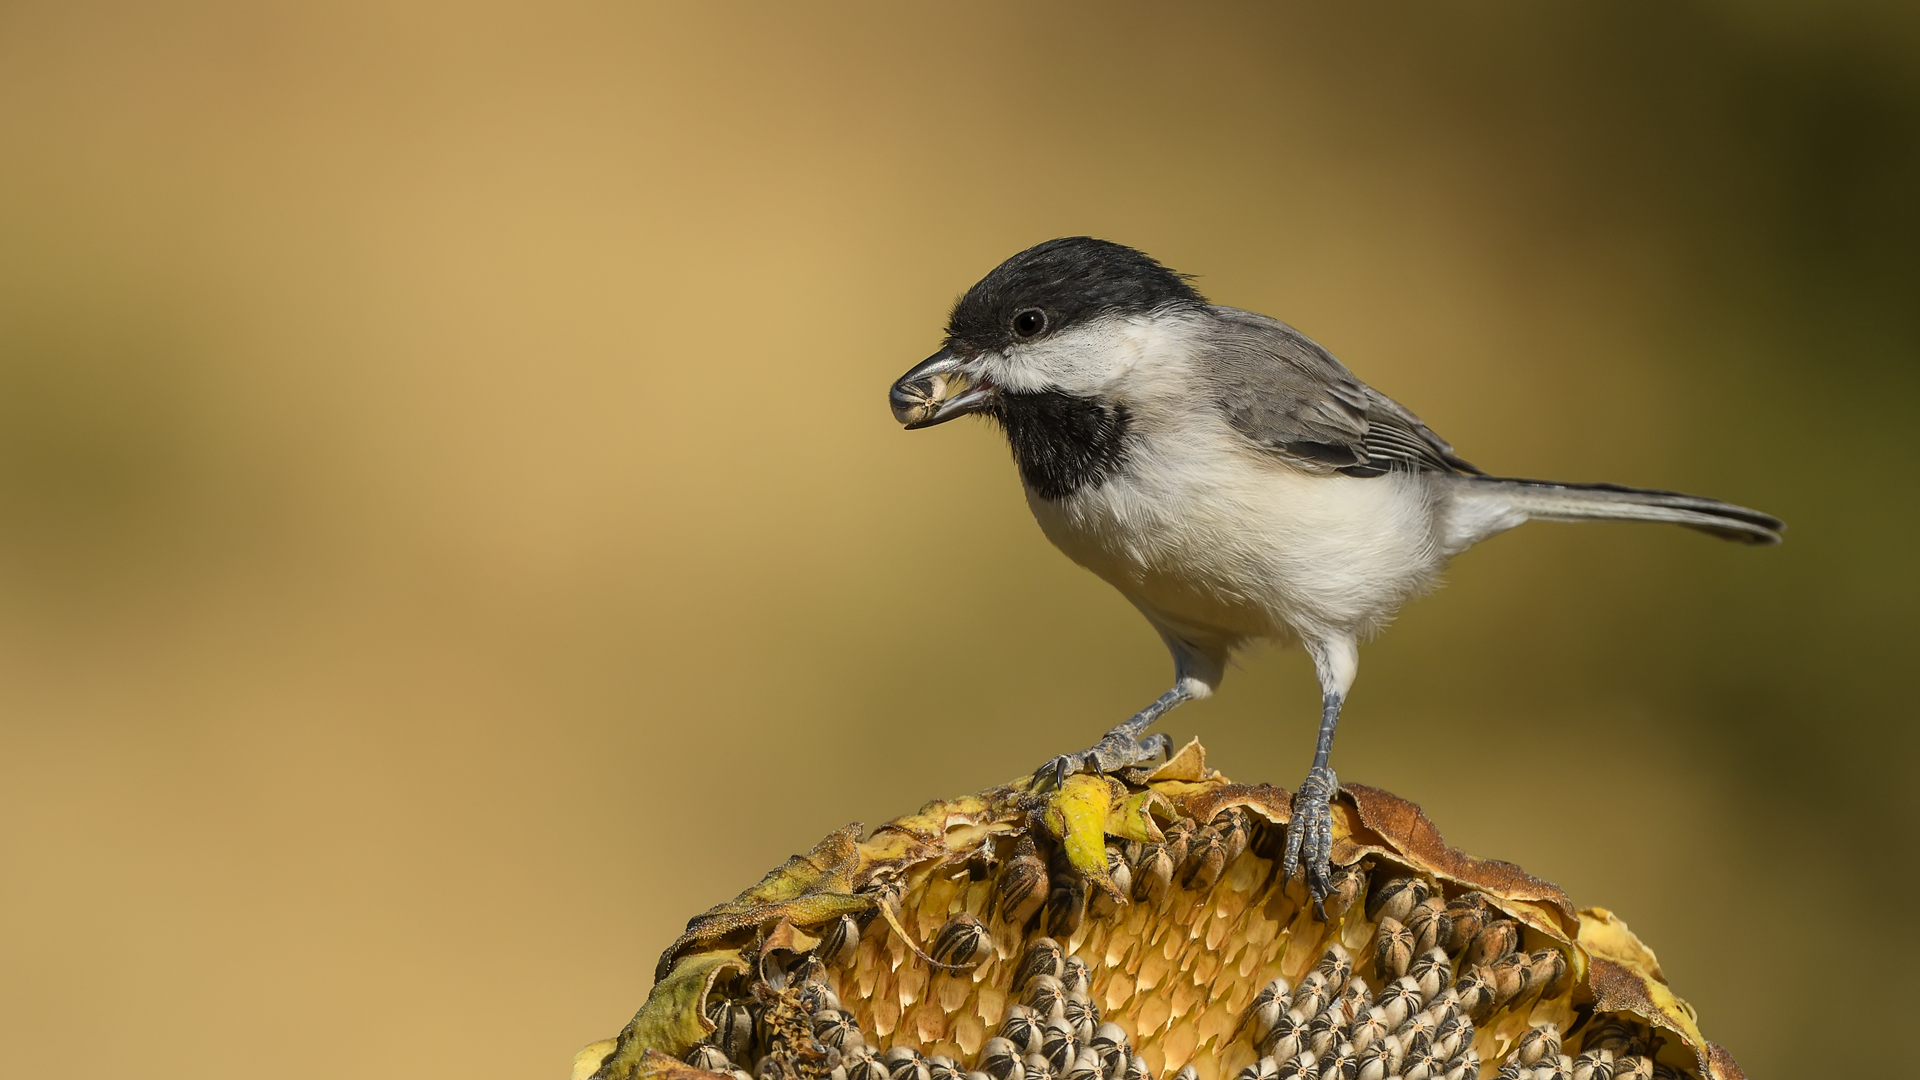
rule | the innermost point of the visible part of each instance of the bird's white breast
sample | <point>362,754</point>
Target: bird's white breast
<point>1209,533</point>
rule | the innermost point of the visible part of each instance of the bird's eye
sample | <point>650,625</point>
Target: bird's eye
<point>1029,323</point>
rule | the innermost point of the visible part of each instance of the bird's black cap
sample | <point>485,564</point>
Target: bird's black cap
<point>1069,281</point>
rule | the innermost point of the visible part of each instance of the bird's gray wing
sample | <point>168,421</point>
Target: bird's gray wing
<point>1289,396</point>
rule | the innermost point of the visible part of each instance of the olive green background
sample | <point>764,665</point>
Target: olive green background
<point>451,530</point>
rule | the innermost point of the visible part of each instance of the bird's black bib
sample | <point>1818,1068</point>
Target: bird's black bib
<point>1063,443</point>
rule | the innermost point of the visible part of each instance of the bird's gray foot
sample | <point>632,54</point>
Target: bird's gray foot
<point>1310,833</point>
<point>1117,749</point>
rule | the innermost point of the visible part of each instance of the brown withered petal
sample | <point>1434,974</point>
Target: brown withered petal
<point>1171,949</point>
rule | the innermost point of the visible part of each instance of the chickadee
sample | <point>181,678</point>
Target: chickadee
<point>1230,478</point>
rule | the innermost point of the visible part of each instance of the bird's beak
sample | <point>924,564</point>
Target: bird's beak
<point>938,389</point>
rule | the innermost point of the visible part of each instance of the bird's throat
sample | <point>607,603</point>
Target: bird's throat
<point>1063,444</point>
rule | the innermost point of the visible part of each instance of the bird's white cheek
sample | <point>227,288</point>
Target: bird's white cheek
<point>1089,361</point>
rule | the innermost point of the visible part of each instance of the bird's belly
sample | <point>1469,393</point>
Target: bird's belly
<point>1263,553</point>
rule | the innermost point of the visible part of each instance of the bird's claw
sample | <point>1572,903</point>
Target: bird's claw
<point>1310,834</point>
<point>1116,750</point>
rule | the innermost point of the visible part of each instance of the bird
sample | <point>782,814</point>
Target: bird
<point>1234,481</point>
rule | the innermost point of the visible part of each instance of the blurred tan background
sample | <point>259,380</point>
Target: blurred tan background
<point>451,531</point>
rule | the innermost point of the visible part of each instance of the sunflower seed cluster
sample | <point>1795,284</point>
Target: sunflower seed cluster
<point>1198,964</point>
<point>1332,1025</point>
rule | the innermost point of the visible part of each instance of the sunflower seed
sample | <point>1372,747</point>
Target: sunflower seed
<point>1287,1038</point>
<point>1466,915</point>
<point>1495,940</point>
<point>1431,927</point>
<point>1399,999</point>
<point>1000,1059</point>
<point>1537,1044</point>
<point>1593,1065</point>
<point>1337,964</point>
<point>1633,1067</point>
<point>1264,1069</point>
<point>1043,956</point>
<point>1057,1045</point>
<point>1206,858</point>
<point>732,1030</point>
<point>839,941</point>
<point>1392,948</point>
<point>836,1028</point>
<point>1545,967</point>
<point>865,1067</point>
<point>1066,906</point>
<point>1021,1027</point>
<point>1432,971</point>
<point>1082,1015</point>
<point>1022,887</point>
<point>1075,976</point>
<point>961,943</point>
<point>1045,996</point>
<point>1152,874</point>
<point>1395,899</point>
<point>1086,1065</point>
<point>1511,975</point>
<point>905,1063</point>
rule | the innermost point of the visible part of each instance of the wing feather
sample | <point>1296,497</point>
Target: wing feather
<point>1289,396</point>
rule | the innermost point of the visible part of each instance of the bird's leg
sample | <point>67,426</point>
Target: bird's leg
<point>1310,832</point>
<point>1121,747</point>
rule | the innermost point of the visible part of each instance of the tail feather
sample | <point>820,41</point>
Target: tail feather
<point>1545,500</point>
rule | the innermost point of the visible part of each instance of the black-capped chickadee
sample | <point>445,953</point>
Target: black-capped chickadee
<point>1230,478</point>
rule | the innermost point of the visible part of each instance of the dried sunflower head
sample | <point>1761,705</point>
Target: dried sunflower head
<point>1135,928</point>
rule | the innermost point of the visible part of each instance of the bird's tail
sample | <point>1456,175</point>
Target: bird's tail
<point>1545,500</point>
